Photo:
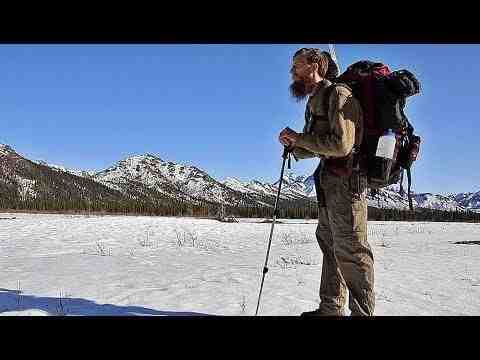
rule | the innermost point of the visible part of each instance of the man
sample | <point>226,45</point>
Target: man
<point>333,131</point>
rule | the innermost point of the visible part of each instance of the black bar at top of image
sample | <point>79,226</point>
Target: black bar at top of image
<point>248,33</point>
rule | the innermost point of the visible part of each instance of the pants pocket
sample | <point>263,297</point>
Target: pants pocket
<point>355,186</point>
<point>321,198</point>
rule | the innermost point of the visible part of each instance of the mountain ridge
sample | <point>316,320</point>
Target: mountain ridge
<point>148,175</point>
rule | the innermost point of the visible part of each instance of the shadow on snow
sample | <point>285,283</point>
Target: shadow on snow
<point>14,300</point>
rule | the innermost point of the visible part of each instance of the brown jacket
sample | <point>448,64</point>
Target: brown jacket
<point>334,134</point>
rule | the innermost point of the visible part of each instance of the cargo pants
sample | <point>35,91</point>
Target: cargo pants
<point>342,236</point>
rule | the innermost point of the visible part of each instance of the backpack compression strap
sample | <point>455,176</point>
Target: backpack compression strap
<point>401,192</point>
<point>409,177</point>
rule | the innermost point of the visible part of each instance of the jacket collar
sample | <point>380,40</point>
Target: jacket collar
<point>321,85</point>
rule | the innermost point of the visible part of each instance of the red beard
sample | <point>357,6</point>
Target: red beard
<point>300,89</point>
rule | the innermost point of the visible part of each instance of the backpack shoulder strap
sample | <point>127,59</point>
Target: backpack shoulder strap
<point>329,92</point>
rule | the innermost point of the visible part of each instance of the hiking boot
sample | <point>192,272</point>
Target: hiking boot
<point>319,312</point>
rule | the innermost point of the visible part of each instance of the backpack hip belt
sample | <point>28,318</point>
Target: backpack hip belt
<point>346,165</point>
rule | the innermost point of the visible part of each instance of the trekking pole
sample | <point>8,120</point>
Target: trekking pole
<point>265,268</point>
<point>334,56</point>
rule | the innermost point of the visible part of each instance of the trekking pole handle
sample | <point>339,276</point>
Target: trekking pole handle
<point>287,152</point>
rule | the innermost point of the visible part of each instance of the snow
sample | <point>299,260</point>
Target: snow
<point>80,173</point>
<point>5,149</point>
<point>439,202</point>
<point>139,265</point>
<point>25,187</point>
<point>237,185</point>
<point>469,200</point>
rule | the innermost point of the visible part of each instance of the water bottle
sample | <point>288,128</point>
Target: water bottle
<point>386,145</point>
<point>384,155</point>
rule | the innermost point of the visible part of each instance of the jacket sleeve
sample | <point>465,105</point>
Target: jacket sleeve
<point>342,115</point>
<point>300,153</point>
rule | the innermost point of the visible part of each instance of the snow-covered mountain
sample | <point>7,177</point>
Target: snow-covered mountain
<point>82,173</point>
<point>171,179</point>
<point>390,197</point>
<point>468,200</point>
<point>301,187</point>
<point>5,149</point>
<point>147,176</point>
<point>23,179</point>
<point>293,187</point>
<point>439,202</point>
<point>297,187</point>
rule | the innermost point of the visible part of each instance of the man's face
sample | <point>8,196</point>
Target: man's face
<point>302,73</point>
<point>301,70</point>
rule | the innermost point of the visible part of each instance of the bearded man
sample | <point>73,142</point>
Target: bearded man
<point>333,132</point>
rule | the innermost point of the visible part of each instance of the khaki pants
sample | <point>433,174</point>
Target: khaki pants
<point>342,236</point>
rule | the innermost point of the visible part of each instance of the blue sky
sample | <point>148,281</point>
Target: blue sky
<point>219,107</point>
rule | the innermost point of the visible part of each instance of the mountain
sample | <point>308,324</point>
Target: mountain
<point>389,197</point>
<point>21,178</point>
<point>439,202</point>
<point>296,187</point>
<point>141,174</point>
<point>293,187</point>
<point>149,178</point>
<point>82,173</point>
<point>139,177</point>
<point>469,200</point>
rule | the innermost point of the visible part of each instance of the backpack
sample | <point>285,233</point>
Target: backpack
<point>382,95</point>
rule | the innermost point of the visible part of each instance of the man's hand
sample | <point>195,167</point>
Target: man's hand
<point>288,137</point>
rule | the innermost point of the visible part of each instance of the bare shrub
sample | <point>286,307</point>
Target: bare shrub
<point>418,229</point>
<point>146,242</point>
<point>102,250</point>
<point>304,238</point>
<point>289,239</point>
<point>190,238</point>
<point>180,238</point>
<point>99,250</point>
<point>286,239</point>
<point>300,280</point>
<point>61,309</point>
<point>243,305</point>
<point>291,261</point>
<point>186,237</point>
<point>19,297</point>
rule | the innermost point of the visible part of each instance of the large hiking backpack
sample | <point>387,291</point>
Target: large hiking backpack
<point>382,95</point>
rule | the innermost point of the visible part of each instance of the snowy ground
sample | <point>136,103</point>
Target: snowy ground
<point>125,265</point>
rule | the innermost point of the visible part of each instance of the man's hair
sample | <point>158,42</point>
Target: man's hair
<point>326,66</point>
